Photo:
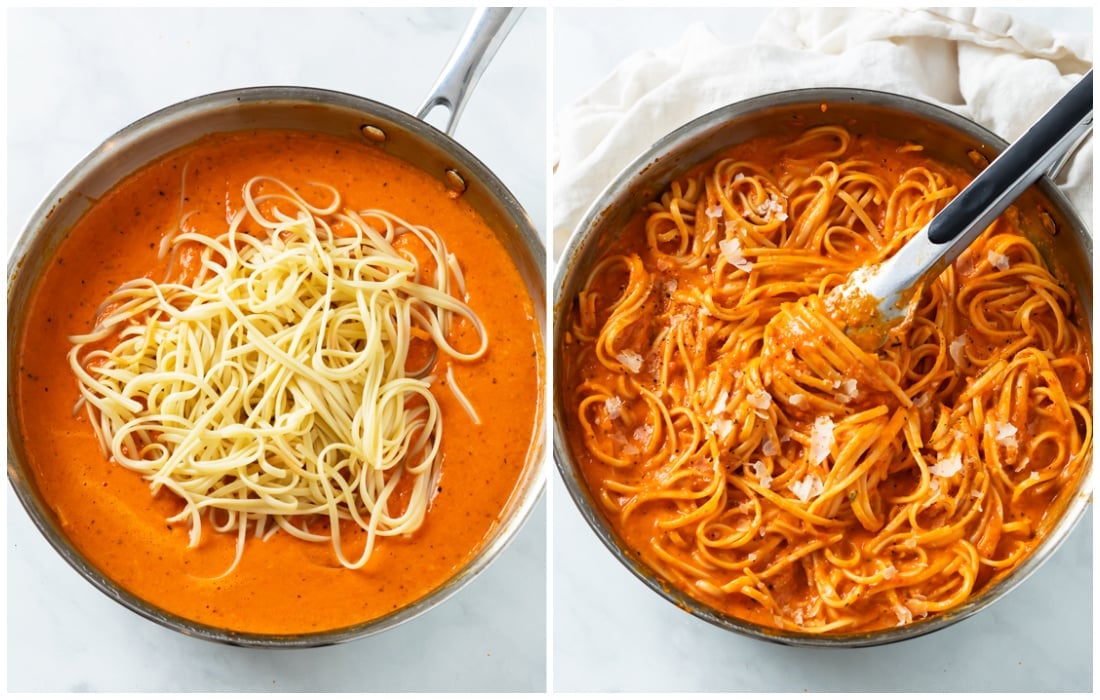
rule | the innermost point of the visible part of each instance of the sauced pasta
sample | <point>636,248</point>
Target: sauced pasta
<point>757,458</point>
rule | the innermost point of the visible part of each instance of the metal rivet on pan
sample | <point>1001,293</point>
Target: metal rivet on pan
<point>1048,222</point>
<point>977,158</point>
<point>455,182</point>
<point>373,133</point>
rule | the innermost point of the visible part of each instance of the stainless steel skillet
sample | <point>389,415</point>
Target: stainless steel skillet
<point>1044,210</point>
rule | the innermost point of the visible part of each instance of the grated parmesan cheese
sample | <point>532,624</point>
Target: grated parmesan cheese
<point>1006,435</point>
<point>772,209</point>
<point>905,615</point>
<point>956,348</point>
<point>769,448</point>
<point>731,251</point>
<point>822,439</point>
<point>752,556</point>
<point>947,468</point>
<point>643,433</point>
<point>714,212</point>
<point>807,488</point>
<point>720,402</point>
<point>739,177</point>
<point>760,400</point>
<point>797,399</point>
<point>722,427</point>
<point>631,360</point>
<point>613,406</point>
<point>889,572</point>
<point>761,472</point>
<point>849,390</point>
<point>997,260</point>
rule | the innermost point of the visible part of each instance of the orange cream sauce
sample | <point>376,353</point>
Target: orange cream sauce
<point>283,585</point>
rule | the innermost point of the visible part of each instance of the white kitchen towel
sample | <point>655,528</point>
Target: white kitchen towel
<point>980,63</point>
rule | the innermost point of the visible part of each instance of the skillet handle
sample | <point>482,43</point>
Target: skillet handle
<point>1026,160</point>
<point>480,41</point>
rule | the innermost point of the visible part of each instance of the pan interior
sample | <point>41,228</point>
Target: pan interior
<point>1044,211</point>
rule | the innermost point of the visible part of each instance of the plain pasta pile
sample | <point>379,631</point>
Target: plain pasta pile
<point>282,374</point>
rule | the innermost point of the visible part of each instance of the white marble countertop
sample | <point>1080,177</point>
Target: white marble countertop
<point>611,633</point>
<point>75,76</point>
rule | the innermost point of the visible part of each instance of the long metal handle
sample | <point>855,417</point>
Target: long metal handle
<point>1020,165</point>
<point>480,41</point>
<point>933,248</point>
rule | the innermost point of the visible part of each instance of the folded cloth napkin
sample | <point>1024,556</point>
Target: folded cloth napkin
<point>982,64</point>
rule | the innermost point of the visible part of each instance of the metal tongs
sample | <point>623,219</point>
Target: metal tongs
<point>883,295</point>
